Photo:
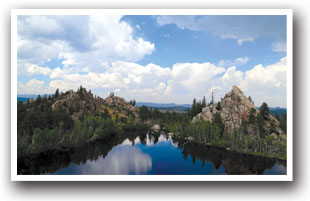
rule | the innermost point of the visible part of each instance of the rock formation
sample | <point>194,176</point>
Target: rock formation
<point>155,128</point>
<point>234,108</point>
<point>83,102</point>
<point>121,104</point>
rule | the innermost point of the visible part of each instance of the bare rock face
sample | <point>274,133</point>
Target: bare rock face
<point>234,108</point>
<point>118,102</point>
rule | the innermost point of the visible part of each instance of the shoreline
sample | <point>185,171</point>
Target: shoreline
<point>228,149</point>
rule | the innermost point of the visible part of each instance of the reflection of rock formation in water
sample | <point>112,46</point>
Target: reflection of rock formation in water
<point>122,160</point>
<point>233,162</point>
<point>50,162</point>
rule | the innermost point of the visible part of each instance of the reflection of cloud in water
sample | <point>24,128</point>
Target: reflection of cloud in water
<point>174,144</point>
<point>120,160</point>
<point>162,138</point>
<point>280,168</point>
<point>149,140</point>
<point>137,140</point>
<point>126,142</point>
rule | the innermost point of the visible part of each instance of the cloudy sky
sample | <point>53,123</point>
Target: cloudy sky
<point>164,59</point>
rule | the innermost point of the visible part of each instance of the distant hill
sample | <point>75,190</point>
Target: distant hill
<point>22,99</point>
<point>25,97</point>
<point>163,105</point>
<point>276,110</point>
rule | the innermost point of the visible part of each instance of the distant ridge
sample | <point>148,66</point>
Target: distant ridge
<point>276,111</point>
<point>25,97</point>
<point>29,96</point>
<point>163,105</point>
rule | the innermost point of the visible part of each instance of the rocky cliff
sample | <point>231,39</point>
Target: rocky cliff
<point>234,110</point>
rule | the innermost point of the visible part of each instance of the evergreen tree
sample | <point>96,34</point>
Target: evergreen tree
<point>57,93</point>
<point>261,126</point>
<point>204,103</point>
<point>264,111</point>
<point>244,127</point>
<point>252,116</point>
<point>219,123</point>
<point>38,100</point>
<point>277,117</point>
<point>80,92</point>
<point>250,99</point>
<point>272,127</point>
<point>218,106</point>
<point>143,113</point>
<point>283,123</point>
<point>193,111</point>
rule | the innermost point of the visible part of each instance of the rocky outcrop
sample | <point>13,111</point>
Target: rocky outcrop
<point>77,103</point>
<point>83,102</point>
<point>234,108</point>
<point>155,128</point>
<point>121,104</point>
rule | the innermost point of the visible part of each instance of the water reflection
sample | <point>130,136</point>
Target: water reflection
<point>149,154</point>
<point>121,160</point>
<point>233,162</point>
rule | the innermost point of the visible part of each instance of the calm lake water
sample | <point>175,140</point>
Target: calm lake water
<point>150,154</point>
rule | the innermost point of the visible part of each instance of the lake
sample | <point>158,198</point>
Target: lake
<point>148,154</point>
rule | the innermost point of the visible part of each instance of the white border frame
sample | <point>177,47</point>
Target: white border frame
<point>289,16</point>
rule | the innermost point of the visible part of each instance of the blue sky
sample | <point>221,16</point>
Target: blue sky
<point>175,45</point>
<point>154,58</point>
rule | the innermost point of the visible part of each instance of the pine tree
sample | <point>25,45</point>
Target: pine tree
<point>57,93</point>
<point>264,111</point>
<point>218,106</point>
<point>194,106</point>
<point>204,103</point>
<point>143,113</point>
<point>261,126</point>
<point>283,123</point>
<point>252,116</point>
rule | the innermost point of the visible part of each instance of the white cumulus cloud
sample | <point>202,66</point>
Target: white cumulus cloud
<point>82,42</point>
<point>29,69</point>
<point>179,84</point>
<point>33,86</point>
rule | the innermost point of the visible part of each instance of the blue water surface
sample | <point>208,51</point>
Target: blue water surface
<point>163,156</point>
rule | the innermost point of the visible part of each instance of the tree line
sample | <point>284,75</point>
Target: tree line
<point>258,140</point>
<point>41,129</point>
